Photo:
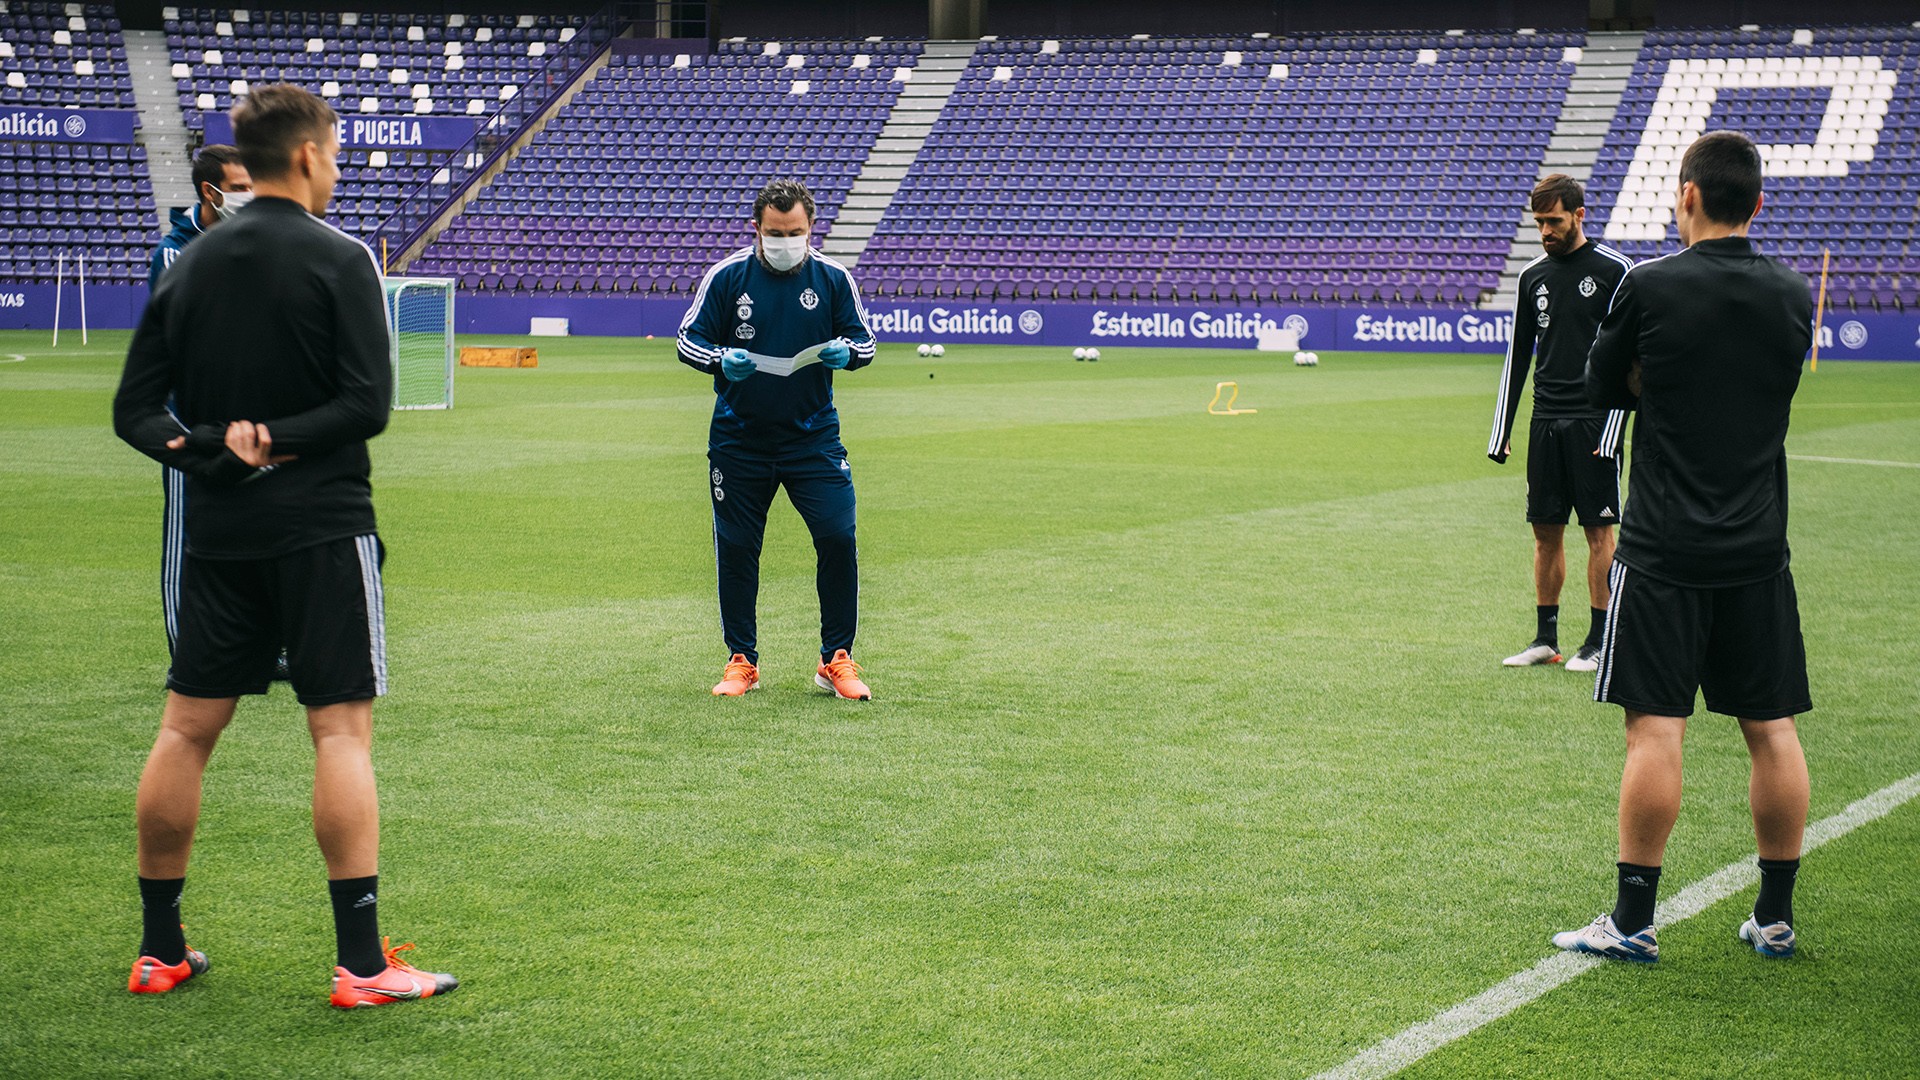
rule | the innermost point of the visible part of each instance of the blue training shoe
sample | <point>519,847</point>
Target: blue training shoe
<point>1775,941</point>
<point>1600,938</point>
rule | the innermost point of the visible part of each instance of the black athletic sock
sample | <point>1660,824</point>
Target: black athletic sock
<point>1597,629</point>
<point>1776,891</point>
<point>1547,617</point>
<point>1633,910</point>
<point>160,933</point>
<point>356,926</point>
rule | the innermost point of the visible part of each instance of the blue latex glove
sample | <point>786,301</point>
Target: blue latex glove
<point>735,364</point>
<point>836,353</point>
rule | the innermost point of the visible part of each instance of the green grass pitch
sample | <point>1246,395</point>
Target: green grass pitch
<point>1191,754</point>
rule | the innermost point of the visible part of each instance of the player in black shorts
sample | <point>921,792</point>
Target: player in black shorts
<point>270,335</point>
<point>1573,459</point>
<point>1706,344</point>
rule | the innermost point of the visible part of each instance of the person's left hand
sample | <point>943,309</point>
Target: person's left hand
<point>251,443</point>
<point>836,353</point>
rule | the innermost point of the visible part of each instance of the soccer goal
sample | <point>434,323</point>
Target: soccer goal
<point>420,318</point>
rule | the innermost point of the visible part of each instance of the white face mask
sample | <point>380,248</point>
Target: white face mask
<point>783,253</point>
<point>231,202</point>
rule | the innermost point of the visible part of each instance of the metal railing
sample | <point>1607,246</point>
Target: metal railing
<point>495,136</point>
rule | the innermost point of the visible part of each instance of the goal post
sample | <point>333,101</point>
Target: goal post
<point>420,324</point>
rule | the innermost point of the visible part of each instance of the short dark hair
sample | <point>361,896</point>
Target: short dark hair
<point>782,195</point>
<point>210,166</point>
<point>272,122</point>
<point>1558,188</point>
<point>1725,166</point>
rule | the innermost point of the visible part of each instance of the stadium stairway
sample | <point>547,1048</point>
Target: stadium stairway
<point>908,125</point>
<point>163,130</point>
<point>1593,96</point>
<point>476,185</point>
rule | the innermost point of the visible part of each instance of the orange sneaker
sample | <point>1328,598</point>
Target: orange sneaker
<point>741,676</point>
<point>150,976</point>
<point>842,676</point>
<point>401,981</point>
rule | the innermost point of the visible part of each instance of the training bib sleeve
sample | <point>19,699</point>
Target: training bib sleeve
<point>704,324</point>
<point>1615,348</point>
<point>850,322</point>
<point>364,375</point>
<point>140,415</point>
<point>1513,377</point>
<point>163,257</point>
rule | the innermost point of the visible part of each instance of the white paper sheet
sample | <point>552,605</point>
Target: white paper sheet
<point>784,366</point>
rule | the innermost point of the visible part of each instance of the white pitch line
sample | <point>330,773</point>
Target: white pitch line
<point>1855,461</point>
<point>1389,1057</point>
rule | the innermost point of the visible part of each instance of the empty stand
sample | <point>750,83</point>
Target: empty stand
<point>1338,167</point>
<point>1838,117</point>
<point>371,64</point>
<point>62,198</point>
<point>649,174</point>
<point>63,54</point>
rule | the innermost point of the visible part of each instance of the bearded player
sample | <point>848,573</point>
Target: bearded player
<point>1573,449</point>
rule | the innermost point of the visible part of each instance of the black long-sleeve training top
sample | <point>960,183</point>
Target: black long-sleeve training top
<point>1719,331</point>
<point>275,317</point>
<point>1561,302</point>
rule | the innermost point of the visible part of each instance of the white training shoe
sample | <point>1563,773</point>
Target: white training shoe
<point>1533,654</point>
<point>1601,939</point>
<point>1587,659</point>
<point>1775,941</point>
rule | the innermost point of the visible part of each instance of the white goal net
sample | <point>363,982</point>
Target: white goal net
<point>420,317</point>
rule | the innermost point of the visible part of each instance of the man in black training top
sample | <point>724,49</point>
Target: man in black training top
<point>1706,344</point>
<point>220,180</point>
<point>1573,449</point>
<point>270,336</point>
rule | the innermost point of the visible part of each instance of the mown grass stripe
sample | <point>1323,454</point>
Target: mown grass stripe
<point>1394,1054</point>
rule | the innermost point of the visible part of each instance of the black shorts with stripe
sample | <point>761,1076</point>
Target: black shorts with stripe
<point>1565,475</point>
<point>324,605</point>
<point>1740,644</point>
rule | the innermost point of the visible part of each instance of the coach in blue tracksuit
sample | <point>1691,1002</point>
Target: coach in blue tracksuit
<point>753,322</point>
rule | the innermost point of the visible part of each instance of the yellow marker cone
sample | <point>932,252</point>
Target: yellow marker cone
<point>1213,407</point>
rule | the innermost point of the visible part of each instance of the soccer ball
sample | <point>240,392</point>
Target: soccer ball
<point>939,350</point>
<point>1093,353</point>
<point>1079,354</point>
<point>1306,359</point>
<point>925,350</point>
